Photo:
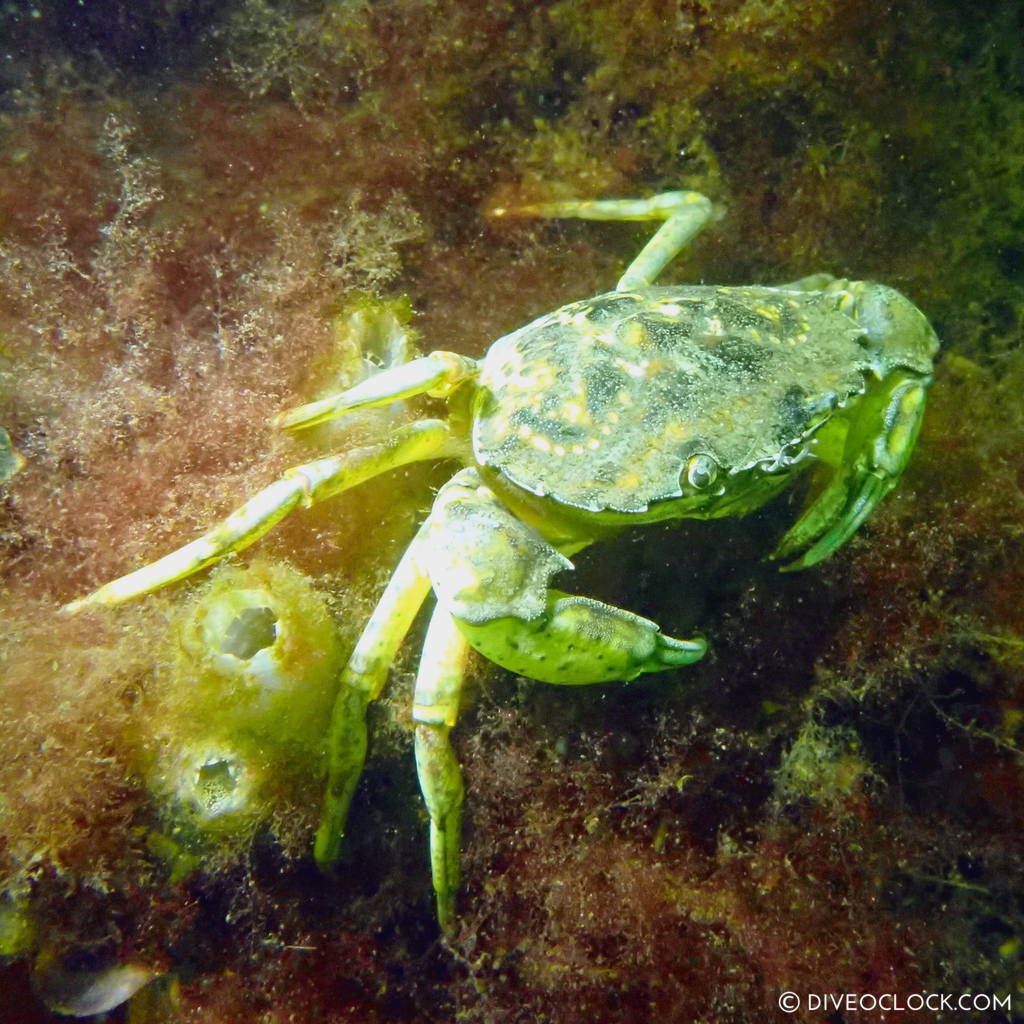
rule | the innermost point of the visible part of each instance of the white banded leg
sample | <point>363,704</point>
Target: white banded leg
<point>435,710</point>
<point>301,485</point>
<point>684,214</point>
<point>436,374</point>
<point>362,680</point>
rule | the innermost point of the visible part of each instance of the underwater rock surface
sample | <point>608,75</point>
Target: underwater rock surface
<point>198,203</point>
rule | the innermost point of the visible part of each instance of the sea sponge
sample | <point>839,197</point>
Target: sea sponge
<point>241,715</point>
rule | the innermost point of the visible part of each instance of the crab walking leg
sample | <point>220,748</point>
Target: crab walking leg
<point>492,572</point>
<point>684,214</point>
<point>875,452</point>
<point>435,709</point>
<point>301,485</point>
<point>437,374</point>
<point>362,680</point>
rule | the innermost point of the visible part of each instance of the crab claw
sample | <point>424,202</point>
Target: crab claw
<point>874,455</point>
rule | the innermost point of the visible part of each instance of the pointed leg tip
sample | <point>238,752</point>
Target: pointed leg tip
<point>446,918</point>
<point>674,652</point>
<point>92,600</point>
<point>326,847</point>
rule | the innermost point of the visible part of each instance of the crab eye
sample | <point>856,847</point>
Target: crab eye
<point>701,472</point>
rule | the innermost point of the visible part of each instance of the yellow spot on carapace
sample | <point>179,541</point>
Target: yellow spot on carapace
<point>640,370</point>
<point>542,444</point>
<point>633,335</point>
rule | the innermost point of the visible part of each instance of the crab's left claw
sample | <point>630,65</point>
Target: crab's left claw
<point>865,458</point>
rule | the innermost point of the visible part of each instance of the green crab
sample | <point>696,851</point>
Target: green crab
<point>640,405</point>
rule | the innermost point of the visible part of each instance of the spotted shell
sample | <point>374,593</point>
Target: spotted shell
<point>601,403</point>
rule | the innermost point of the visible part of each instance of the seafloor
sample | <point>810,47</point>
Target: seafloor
<point>195,196</point>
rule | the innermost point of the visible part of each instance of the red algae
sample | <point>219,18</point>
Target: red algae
<point>828,803</point>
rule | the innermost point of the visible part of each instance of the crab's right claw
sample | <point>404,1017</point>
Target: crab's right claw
<point>876,450</point>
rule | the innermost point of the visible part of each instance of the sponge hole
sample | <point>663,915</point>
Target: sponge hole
<point>252,630</point>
